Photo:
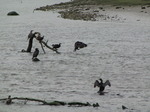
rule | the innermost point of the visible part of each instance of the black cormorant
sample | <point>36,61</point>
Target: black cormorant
<point>78,45</point>
<point>39,38</point>
<point>56,46</point>
<point>36,52</point>
<point>101,85</point>
<point>9,100</point>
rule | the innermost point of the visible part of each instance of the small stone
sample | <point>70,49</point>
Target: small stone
<point>123,107</point>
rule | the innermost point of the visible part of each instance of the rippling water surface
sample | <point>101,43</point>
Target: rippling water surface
<point>118,51</point>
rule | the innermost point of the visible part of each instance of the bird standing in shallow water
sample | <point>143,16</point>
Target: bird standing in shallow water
<point>56,46</point>
<point>9,100</point>
<point>78,45</point>
<point>36,53</point>
<point>101,85</point>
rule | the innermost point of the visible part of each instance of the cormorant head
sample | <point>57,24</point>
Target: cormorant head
<point>9,96</point>
<point>23,50</point>
<point>101,80</point>
<point>36,49</point>
<point>85,45</point>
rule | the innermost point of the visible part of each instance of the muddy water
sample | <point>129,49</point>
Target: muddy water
<point>118,51</point>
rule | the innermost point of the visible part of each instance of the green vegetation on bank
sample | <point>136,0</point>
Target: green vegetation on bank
<point>114,2</point>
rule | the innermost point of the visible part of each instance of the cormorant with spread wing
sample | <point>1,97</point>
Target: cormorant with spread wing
<point>78,45</point>
<point>101,85</point>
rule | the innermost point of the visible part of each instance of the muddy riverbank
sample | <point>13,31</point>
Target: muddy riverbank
<point>95,12</point>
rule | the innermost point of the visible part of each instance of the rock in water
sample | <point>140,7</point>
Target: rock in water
<point>12,13</point>
<point>123,107</point>
<point>35,59</point>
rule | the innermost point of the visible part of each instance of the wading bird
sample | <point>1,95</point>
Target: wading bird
<point>36,53</point>
<point>56,46</point>
<point>101,85</point>
<point>78,45</point>
<point>9,100</point>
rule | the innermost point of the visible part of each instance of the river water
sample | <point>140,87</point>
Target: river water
<point>116,51</point>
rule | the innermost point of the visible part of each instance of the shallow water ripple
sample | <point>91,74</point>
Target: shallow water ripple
<point>116,51</point>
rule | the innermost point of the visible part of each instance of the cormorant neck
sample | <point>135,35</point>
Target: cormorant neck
<point>101,80</point>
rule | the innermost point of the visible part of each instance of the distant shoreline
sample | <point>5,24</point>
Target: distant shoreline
<point>88,12</point>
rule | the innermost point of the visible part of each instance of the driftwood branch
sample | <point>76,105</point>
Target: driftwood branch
<point>45,43</point>
<point>38,37</point>
<point>30,44</point>
<point>53,103</point>
<point>42,47</point>
<point>29,99</point>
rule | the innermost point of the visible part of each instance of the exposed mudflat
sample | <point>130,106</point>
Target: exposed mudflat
<point>98,12</point>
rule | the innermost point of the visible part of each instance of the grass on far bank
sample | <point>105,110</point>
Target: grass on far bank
<point>114,2</point>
